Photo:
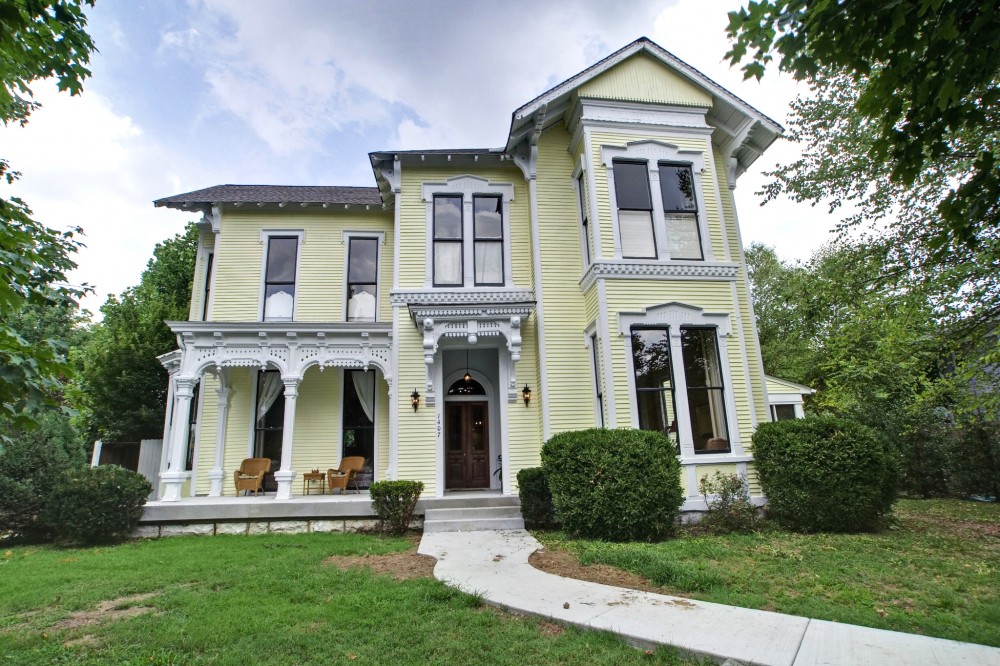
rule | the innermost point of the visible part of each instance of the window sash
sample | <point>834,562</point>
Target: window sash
<point>705,389</point>
<point>656,401</point>
<point>583,219</point>
<point>638,240</point>
<point>488,240</point>
<point>362,278</point>
<point>279,278</point>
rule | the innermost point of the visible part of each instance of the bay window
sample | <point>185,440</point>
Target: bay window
<point>705,391</point>
<point>635,210</point>
<point>680,212</point>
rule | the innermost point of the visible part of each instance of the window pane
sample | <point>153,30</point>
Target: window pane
<point>636,229</point>
<point>447,263</point>
<point>632,185</point>
<point>701,357</point>
<point>656,412</point>
<point>708,420</point>
<point>361,302</point>
<point>783,412</point>
<point>279,302</point>
<point>363,260</point>
<point>651,358</point>
<point>447,217</point>
<point>677,188</point>
<point>281,259</point>
<point>489,263</point>
<point>488,217</point>
<point>683,238</point>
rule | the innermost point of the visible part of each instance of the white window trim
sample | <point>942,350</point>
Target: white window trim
<point>345,239</point>
<point>467,187</point>
<point>652,153</point>
<point>265,237</point>
<point>673,316</point>
<point>592,341</point>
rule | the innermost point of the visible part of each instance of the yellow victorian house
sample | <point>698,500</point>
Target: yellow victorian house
<point>445,322</point>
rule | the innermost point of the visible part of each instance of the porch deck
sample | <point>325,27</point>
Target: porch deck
<point>301,507</point>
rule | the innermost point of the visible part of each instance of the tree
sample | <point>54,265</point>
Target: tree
<point>925,75</point>
<point>123,388</point>
<point>38,39</point>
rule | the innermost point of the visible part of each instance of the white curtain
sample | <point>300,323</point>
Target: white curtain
<point>267,392</point>
<point>364,386</point>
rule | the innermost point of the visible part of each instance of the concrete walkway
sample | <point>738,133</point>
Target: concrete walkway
<point>494,564</point>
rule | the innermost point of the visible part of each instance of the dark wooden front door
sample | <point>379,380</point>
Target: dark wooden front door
<point>467,445</point>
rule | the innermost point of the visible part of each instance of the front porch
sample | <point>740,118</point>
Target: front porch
<point>304,513</point>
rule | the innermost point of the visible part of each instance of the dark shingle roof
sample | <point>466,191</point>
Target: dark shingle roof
<point>272,194</point>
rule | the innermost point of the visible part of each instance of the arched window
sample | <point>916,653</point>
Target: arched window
<point>462,387</point>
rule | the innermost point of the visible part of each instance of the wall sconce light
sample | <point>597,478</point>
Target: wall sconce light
<point>415,399</point>
<point>526,394</point>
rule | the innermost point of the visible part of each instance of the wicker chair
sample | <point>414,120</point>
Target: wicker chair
<point>343,475</point>
<point>250,475</point>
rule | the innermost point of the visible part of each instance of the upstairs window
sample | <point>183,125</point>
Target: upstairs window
<point>448,241</point>
<point>635,210</point>
<point>362,279</point>
<point>487,230</point>
<point>584,220</point>
<point>680,211</point>
<point>207,295</point>
<point>279,278</point>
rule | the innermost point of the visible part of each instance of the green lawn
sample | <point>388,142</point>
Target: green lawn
<point>937,572</point>
<point>264,600</point>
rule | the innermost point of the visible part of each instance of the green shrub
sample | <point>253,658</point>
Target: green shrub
<point>825,474</point>
<point>536,498</point>
<point>729,506</point>
<point>619,485</point>
<point>96,504</point>
<point>394,503</point>
<point>31,464</point>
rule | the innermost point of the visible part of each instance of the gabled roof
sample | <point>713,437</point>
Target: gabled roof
<point>749,131</point>
<point>792,386</point>
<point>271,194</point>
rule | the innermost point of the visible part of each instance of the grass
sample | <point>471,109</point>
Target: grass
<point>935,572</point>
<point>266,599</point>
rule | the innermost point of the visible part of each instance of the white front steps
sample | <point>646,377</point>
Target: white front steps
<point>502,516</point>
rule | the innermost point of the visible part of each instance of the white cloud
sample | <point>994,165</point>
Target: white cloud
<point>85,165</point>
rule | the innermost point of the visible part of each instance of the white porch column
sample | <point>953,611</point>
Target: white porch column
<point>167,420</point>
<point>217,473</point>
<point>286,475</point>
<point>175,475</point>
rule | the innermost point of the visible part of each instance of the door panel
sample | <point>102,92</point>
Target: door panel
<point>467,445</point>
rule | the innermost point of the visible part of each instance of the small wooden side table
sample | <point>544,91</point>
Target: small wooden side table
<point>309,478</point>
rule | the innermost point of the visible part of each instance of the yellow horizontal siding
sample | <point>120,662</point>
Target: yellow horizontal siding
<point>417,429</point>
<point>316,442</point>
<point>321,288</point>
<point>523,423</point>
<point>238,423</point>
<point>208,426</point>
<point>642,78</point>
<point>567,362</point>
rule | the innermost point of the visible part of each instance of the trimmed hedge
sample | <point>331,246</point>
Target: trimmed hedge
<point>96,504</point>
<point>536,498</point>
<point>394,503</point>
<point>619,485</point>
<point>825,474</point>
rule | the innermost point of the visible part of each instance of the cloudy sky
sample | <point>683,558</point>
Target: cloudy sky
<point>188,94</point>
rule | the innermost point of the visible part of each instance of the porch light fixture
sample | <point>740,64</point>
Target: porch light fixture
<point>415,399</point>
<point>468,377</point>
<point>526,394</point>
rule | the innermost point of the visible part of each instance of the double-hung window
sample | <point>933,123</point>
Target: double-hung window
<point>279,278</point>
<point>680,211</point>
<point>584,220</point>
<point>448,235</point>
<point>362,278</point>
<point>705,391</point>
<point>487,231</point>
<point>654,381</point>
<point>635,210</point>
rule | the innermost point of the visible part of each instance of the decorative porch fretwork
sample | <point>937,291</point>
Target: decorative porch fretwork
<point>290,347</point>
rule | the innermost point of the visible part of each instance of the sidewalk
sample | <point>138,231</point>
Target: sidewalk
<point>495,565</point>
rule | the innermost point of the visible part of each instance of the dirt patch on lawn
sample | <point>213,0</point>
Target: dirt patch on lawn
<point>113,610</point>
<point>957,527</point>
<point>562,563</point>
<point>406,565</point>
